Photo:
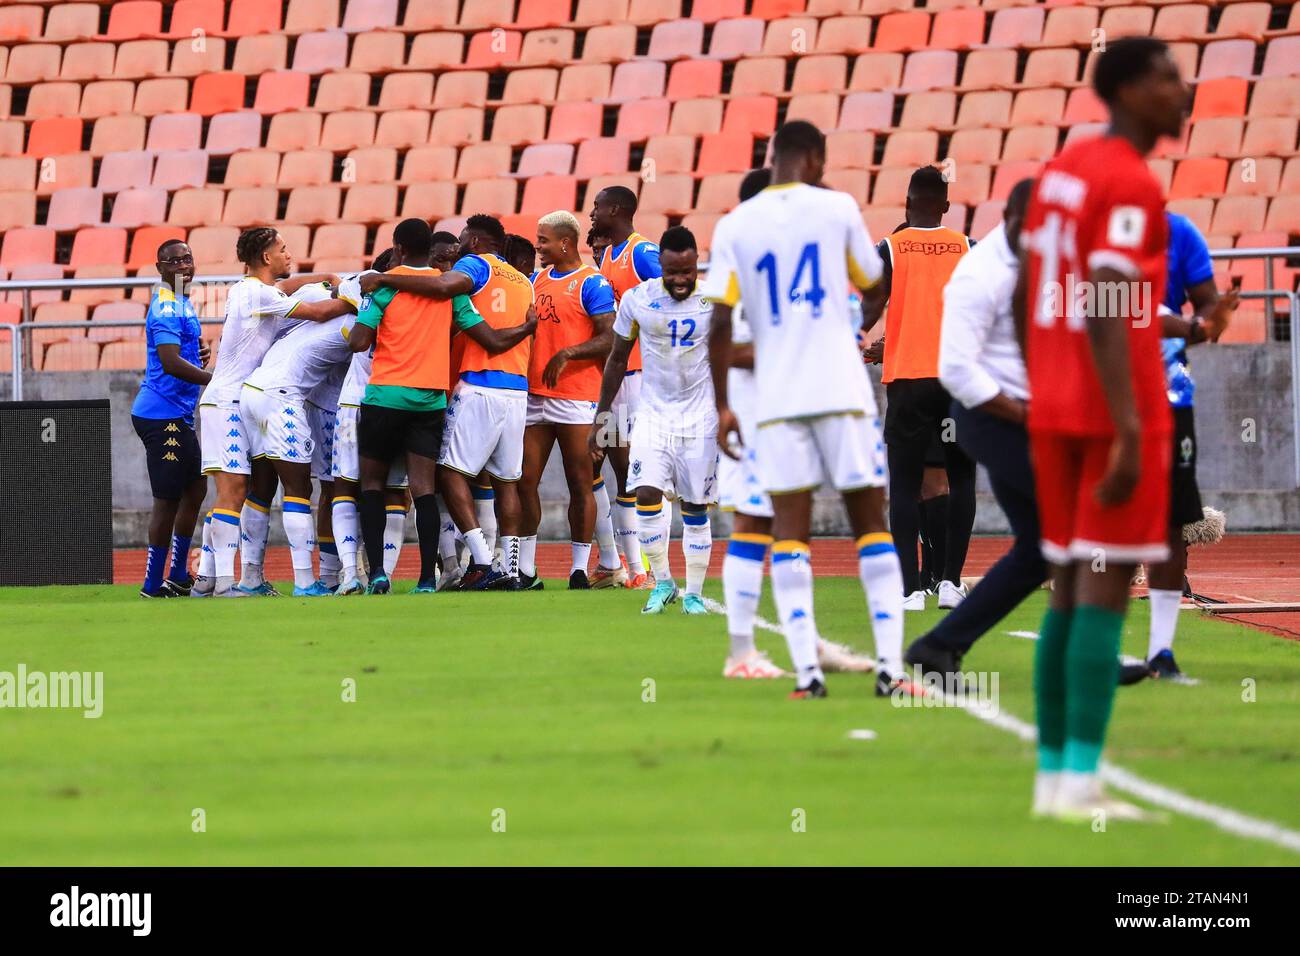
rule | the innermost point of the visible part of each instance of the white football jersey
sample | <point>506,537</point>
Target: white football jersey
<point>357,376</point>
<point>301,361</point>
<point>676,384</point>
<point>789,254</point>
<point>254,311</point>
<point>742,391</point>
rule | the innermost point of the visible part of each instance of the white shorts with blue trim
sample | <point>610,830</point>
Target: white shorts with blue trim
<point>322,432</point>
<point>223,439</point>
<point>277,424</point>
<point>484,428</point>
<point>740,488</point>
<point>685,468</point>
<point>845,449</point>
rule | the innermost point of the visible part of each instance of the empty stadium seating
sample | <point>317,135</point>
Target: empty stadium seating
<point>124,123</point>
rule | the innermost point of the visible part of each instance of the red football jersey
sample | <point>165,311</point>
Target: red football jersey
<point>1096,205</point>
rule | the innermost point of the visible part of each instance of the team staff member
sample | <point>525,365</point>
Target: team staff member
<point>918,262</point>
<point>627,259</point>
<point>163,416</point>
<point>981,365</point>
<point>575,321</point>
<point>405,400</point>
<point>485,420</point>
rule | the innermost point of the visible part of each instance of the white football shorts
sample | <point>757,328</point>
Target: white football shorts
<point>800,454</point>
<point>223,440</point>
<point>484,428</point>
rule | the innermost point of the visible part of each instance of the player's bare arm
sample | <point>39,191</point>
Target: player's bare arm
<point>448,285</point>
<point>596,347</point>
<point>875,297</point>
<point>742,356</point>
<point>361,338</point>
<point>1109,338</point>
<point>169,354</point>
<point>294,283</point>
<point>720,357</point>
<point>1211,314</point>
<point>1020,303</point>
<point>502,340</point>
<point>611,381</point>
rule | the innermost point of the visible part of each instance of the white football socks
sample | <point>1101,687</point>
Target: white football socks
<point>697,546</point>
<point>254,527</point>
<point>625,534</point>
<point>225,542</point>
<point>654,540</point>
<point>510,554</point>
<point>792,586</point>
<point>479,551</point>
<point>742,587</point>
<point>581,556</point>
<point>882,581</point>
<point>394,534</point>
<point>528,555</point>
<point>300,529</point>
<point>604,526</point>
<point>1164,620</point>
<point>347,534</point>
<point>485,512</point>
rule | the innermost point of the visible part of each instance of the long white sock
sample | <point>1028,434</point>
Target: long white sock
<point>1164,620</point>
<point>347,534</point>
<point>254,526</point>
<point>882,581</point>
<point>447,541</point>
<point>528,555</point>
<point>697,546</point>
<point>654,540</point>
<point>485,511</point>
<point>207,563</point>
<point>510,554</point>
<point>479,551</point>
<point>394,532</point>
<point>581,551</point>
<point>624,515</point>
<point>330,563</point>
<point>792,586</point>
<point>604,526</point>
<point>742,587</point>
<point>225,542</point>
<point>300,529</point>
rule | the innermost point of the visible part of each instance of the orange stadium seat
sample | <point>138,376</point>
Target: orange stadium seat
<point>1216,137</point>
<point>342,91</point>
<point>53,135</point>
<point>1270,135</point>
<point>1038,106</point>
<point>196,206</point>
<point>402,128</point>
<point>1070,26</point>
<point>988,68</point>
<point>670,153</point>
<point>428,201</point>
<point>539,14</point>
<point>1182,21</point>
<point>1284,214</point>
<point>1083,106</point>
<point>72,21</point>
<point>280,91</point>
<point>53,99</point>
<point>890,188</point>
<point>230,132</point>
<point>671,194</point>
<point>99,246</point>
<point>867,111</point>
<point>1051,68</point>
<point>975,146</point>
<point>1234,215</point>
<point>1243,20</point>
<point>610,44</point>
<point>855,182</point>
<point>253,16</point>
<point>258,54</point>
<point>694,78</point>
<point>410,90</point>
<point>494,50</point>
<point>371,164</point>
<point>428,163</point>
<point>183,167</point>
<point>496,197</point>
<point>27,246</point>
<point>340,240</point>
<point>877,71</point>
<point>1199,211</point>
<point>378,51</point>
<point>71,357</point>
<point>820,109</point>
<point>1163,171</point>
<point>790,35</point>
<point>483,161</point>
<point>760,75</point>
<point>598,157</point>
<point>736,38</point>
<point>1225,96</point>
<point>547,47</point>
<point>129,19</point>
<point>1227,58</point>
<point>33,62</point>
<point>1037,143</point>
<point>106,97</point>
<point>145,242</point>
<point>1282,57</point>
<point>639,120</point>
<point>213,243</point>
<point>369,203</point>
<point>17,173</point>
<point>1016,27</point>
<point>89,61</point>
<point>253,167</point>
<point>20,22</point>
<point>457,127</point>
<point>217,93</point>
<point>519,124</point>
<point>1275,96</point>
<point>348,129</point>
<point>969,184</point>
<point>304,16</point>
<point>188,16</point>
<point>1262,177</point>
<point>911,148</point>
<point>753,114</point>
<point>1199,177</point>
<point>849,149</point>
<point>1127,21</point>
<point>987,216</point>
<point>311,205</point>
<point>546,159</point>
<point>486,14</point>
<point>112,133</point>
<point>38,270</point>
<point>64,171</point>
<point>843,35</point>
<point>585,82</point>
<point>125,169</point>
<point>139,206</point>
<point>597,12</point>
<point>430,15</point>
<point>924,110</point>
<point>191,59</point>
<point>903,31</point>
<point>534,85</point>
<point>544,193</point>
<point>122,355</point>
<point>958,29</point>
<point>321,52</point>
<point>436,51</point>
<point>711,11</point>
<point>725,153</point>
<point>931,69</point>
<point>308,167</point>
<point>17,209</point>
<point>695,117</point>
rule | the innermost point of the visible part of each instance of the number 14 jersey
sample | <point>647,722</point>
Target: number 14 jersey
<point>789,254</point>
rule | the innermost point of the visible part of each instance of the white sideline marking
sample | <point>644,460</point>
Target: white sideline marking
<point>1027,635</point>
<point>1225,818</point>
<point>862,734</point>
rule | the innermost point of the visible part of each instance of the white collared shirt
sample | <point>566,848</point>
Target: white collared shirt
<point>978,352</point>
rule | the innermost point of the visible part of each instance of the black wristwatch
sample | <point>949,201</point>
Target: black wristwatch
<point>1196,333</point>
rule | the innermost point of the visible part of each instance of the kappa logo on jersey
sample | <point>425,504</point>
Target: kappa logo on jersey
<point>233,418</point>
<point>931,248</point>
<point>233,433</point>
<point>232,448</point>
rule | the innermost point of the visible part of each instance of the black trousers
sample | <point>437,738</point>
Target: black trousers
<point>1003,448</point>
<point>916,410</point>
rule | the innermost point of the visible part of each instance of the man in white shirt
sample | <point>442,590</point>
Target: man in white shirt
<point>674,446</point>
<point>790,254</point>
<point>981,366</point>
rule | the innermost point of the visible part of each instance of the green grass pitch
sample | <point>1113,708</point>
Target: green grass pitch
<point>532,704</point>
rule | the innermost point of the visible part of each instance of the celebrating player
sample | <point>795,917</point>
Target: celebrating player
<point>789,254</point>
<point>575,317</point>
<point>254,310</point>
<point>673,445</point>
<point>1095,237</point>
<point>163,416</point>
<point>485,419</point>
